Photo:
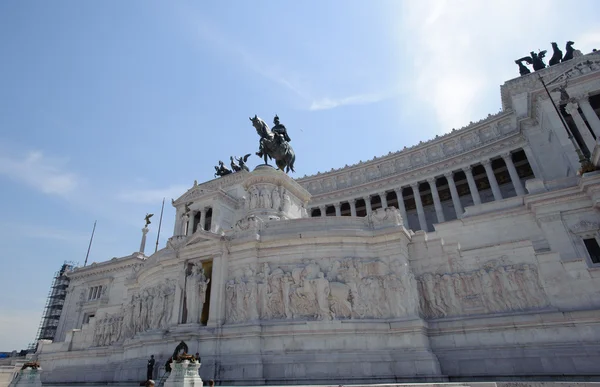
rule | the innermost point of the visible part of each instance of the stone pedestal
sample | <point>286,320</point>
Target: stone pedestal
<point>272,195</point>
<point>184,374</point>
<point>28,377</point>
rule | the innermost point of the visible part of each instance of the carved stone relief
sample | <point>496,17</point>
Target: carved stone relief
<point>108,330</point>
<point>487,290</point>
<point>148,309</point>
<point>340,289</point>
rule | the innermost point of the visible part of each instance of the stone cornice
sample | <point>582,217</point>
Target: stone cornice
<point>405,178</point>
<point>102,268</point>
<point>432,150</point>
<point>211,187</point>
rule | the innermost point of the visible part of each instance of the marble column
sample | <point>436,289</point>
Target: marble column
<point>590,115</point>
<point>588,139</point>
<point>216,303</point>
<point>419,203</point>
<point>185,221</point>
<point>472,186</point>
<point>535,167</point>
<point>143,243</point>
<point>489,171</point>
<point>338,209</point>
<point>367,200</point>
<point>514,176</point>
<point>190,228</point>
<point>384,203</point>
<point>436,199</point>
<point>202,219</point>
<point>454,193</point>
<point>322,208</point>
<point>401,206</point>
<point>352,207</point>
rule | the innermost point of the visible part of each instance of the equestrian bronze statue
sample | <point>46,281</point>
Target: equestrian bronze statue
<point>274,144</point>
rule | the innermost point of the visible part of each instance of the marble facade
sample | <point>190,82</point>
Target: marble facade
<point>469,256</point>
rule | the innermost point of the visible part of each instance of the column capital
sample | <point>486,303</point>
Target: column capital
<point>338,204</point>
<point>398,190</point>
<point>322,207</point>
<point>571,107</point>
<point>414,185</point>
<point>367,197</point>
<point>449,174</point>
<point>432,180</point>
<point>467,169</point>
<point>486,162</point>
<point>382,193</point>
<point>506,155</point>
<point>351,200</point>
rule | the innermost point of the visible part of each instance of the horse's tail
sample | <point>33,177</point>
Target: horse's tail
<point>291,161</point>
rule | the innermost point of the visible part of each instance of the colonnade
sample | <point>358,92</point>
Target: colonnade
<point>194,223</point>
<point>588,135</point>
<point>432,181</point>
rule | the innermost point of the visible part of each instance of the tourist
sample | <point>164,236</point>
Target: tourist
<point>211,383</point>
<point>150,368</point>
<point>168,365</point>
<point>149,383</point>
<point>197,357</point>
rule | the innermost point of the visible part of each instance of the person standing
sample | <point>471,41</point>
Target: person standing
<point>150,368</point>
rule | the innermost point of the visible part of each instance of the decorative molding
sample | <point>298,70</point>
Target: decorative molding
<point>585,226</point>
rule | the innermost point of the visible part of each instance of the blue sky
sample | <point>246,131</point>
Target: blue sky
<point>107,107</point>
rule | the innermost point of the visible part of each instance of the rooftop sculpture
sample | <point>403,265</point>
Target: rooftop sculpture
<point>537,60</point>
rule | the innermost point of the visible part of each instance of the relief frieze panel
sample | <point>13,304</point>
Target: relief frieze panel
<point>349,288</point>
<point>487,290</point>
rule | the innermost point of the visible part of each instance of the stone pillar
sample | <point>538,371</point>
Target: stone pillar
<point>143,244</point>
<point>419,203</point>
<point>352,207</point>
<point>535,167</point>
<point>216,311</point>
<point>590,115</point>
<point>190,227</point>
<point>454,193</point>
<point>338,209</point>
<point>514,176</point>
<point>322,208</point>
<point>401,206</point>
<point>472,185</point>
<point>487,164</point>
<point>367,200</point>
<point>436,199</point>
<point>383,197</point>
<point>202,219</point>
<point>590,143</point>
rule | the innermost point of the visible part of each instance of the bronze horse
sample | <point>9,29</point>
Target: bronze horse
<point>274,146</point>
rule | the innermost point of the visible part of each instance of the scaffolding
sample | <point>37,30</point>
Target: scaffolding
<point>54,304</point>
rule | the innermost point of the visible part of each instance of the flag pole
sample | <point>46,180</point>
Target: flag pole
<point>159,224</point>
<point>90,245</point>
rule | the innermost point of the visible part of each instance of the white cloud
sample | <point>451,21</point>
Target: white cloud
<point>465,49</point>
<point>43,173</point>
<point>152,196</point>
<point>331,103</point>
<point>297,83</point>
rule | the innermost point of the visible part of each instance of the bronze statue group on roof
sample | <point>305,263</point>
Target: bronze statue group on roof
<point>537,60</point>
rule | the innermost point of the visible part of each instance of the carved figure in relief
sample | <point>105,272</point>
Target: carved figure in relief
<point>287,202</point>
<point>276,199</point>
<point>322,292</point>
<point>286,282</point>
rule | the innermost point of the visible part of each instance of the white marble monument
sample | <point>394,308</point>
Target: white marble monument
<point>474,255</point>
